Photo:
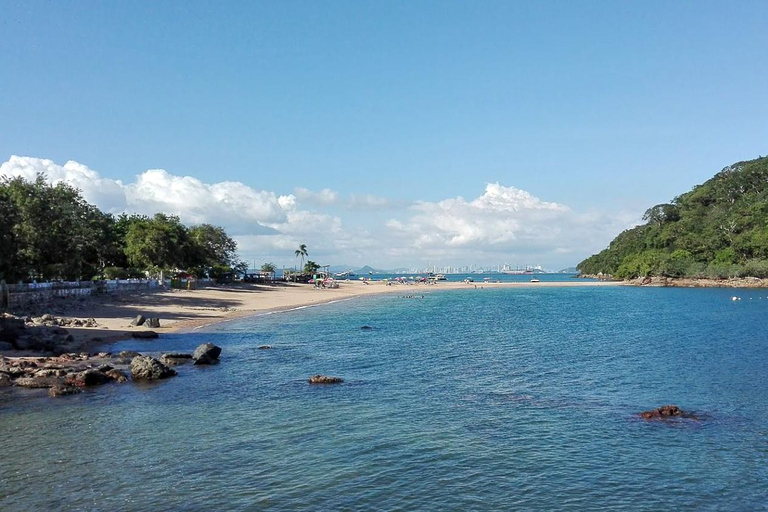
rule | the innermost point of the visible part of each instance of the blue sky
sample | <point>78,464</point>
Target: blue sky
<point>396,109</point>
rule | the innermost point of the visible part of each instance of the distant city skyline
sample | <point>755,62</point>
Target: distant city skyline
<point>386,134</point>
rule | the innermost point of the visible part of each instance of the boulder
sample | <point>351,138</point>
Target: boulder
<point>207,353</point>
<point>63,390</point>
<point>666,411</point>
<point>149,368</point>
<point>139,320</point>
<point>10,328</point>
<point>116,375</point>
<point>324,379</point>
<point>145,335</point>
<point>172,359</point>
<point>38,382</point>
<point>153,323</point>
<point>87,378</point>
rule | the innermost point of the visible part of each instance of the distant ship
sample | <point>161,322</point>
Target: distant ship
<point>517,270</point>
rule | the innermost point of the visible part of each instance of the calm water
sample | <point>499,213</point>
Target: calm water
<point>466,400</point>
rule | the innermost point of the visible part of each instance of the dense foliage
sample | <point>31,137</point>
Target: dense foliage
<point>51,232</point>
<point>719,229</point>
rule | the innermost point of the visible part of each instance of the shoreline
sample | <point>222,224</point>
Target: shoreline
<point>183,311</point>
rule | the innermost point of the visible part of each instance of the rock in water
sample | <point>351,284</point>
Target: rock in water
<point>64,390</point>
<point>116,375</point>
<point>38,382</point>
<point>264,347</point>
<point>139,320</point>
<point>366,328</point>
<point>206,353</point>
<point>172,359</point>
<point>666,411</point>
<point>324,379</point>
<point>87,378</point>
<point>153,323</point>
<point>144,335</point>
<point>149,368</point>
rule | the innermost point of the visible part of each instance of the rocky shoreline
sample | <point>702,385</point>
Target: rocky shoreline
<point>71,373</point>
<point>685,282</point>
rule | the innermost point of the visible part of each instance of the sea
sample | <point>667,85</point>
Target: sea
<point>515,398</point>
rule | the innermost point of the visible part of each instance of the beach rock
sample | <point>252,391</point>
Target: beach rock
<point>324,379</point>
<point>173,359</point>
<point>38,382</point>
<point>149,368</point>
<point>145,335</point>
<point>129,354</point>
<point>63,390</point>
<point>116,375</point>
<point>153,323</point>
<point>666,411</point>
<point>207,353</point>
<point>5,380</point>
<point>139,320</point>
<point>86,378</point>
<point>10,328</point>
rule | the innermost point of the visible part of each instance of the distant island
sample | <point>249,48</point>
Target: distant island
<point>718,230</point>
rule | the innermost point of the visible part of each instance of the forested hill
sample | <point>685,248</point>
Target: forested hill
<point>719,229</point>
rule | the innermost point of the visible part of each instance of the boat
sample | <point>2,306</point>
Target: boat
<point>507,269</point>
<point>440,277</point>
<point>534,280</point>
<point>345,274</point>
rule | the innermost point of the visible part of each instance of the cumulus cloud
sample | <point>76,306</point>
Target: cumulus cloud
<point>503,224</point>
<point>323,197</point>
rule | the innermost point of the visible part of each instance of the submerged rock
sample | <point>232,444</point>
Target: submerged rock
<point>149,368</point>
<point>366,328</point>
<point>207,353</point>
<point>667,411</point>
<point>64,390</point>
<point>324,379</point>
<point>145,335</point>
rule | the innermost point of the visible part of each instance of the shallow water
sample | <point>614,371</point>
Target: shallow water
<point>492,399</point>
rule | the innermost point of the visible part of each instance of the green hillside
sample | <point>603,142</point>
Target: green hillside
<point>719,229</point>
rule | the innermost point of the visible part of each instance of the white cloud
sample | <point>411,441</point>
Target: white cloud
<point>503,224</point>
<point>323,197</point>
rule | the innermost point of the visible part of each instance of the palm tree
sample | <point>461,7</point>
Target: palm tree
<point>271,268</point>
<point>301,252</point>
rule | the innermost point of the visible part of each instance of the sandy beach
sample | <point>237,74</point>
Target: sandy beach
<point>181,310</point>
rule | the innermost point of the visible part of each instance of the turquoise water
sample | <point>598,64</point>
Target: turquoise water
<point>492,399</point>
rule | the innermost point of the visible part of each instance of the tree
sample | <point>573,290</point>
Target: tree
<point>210,245</point>
<point>311,267</point>
<point>157,243</point>
<point>269,267</point>
<point>301,252</point>
<point>55,232</point>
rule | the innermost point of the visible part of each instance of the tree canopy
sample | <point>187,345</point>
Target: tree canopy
<point>719,229</point>
<point>51,232</point>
